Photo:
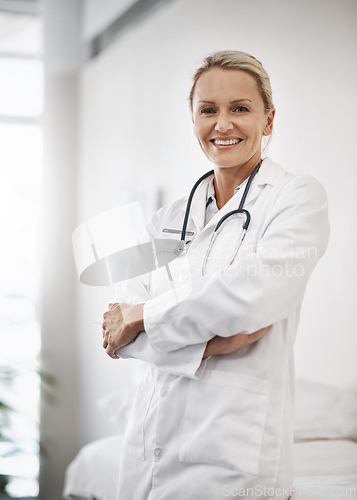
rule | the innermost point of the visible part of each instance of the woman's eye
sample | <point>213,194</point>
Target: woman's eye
<point>207,111</point>
<point>240,109</point>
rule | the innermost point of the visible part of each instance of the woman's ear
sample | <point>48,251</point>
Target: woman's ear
<point>269,123</point>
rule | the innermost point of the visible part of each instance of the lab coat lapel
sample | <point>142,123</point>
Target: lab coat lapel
<point>267,175</point>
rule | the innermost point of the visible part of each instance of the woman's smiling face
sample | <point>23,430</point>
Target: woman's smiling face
<point>229,118</point>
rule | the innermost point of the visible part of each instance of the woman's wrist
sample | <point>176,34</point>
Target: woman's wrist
<point>135,318</point>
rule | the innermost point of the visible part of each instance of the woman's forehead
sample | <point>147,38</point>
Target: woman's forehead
<point>217,83</point>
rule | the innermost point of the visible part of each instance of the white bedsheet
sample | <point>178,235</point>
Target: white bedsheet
<point>325,469</point>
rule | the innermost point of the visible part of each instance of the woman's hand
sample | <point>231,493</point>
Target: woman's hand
<point>121,324</point>
<point>228,345</point>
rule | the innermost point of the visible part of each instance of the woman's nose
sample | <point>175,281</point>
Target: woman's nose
<point>224,123</point>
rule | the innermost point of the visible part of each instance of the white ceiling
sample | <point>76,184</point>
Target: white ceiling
<point>98,15</point>
<point>21,6</point>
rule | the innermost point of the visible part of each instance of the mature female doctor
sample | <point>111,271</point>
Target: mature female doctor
<point>213,416</point>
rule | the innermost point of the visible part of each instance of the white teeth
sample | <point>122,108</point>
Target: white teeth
<point>226,143</point>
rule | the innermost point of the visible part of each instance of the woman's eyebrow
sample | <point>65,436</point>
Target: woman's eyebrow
<point>240,100</point>
<point>231,102</point>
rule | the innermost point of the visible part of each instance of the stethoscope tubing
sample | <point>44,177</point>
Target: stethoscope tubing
<point>233,212</point>
<point>189,201</point>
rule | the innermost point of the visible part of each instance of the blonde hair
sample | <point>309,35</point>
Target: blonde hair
<point>234,59</point>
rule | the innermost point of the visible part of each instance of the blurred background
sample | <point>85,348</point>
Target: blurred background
<point>94,114</point>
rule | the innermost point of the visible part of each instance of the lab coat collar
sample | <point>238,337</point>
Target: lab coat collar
<point>268,174</point>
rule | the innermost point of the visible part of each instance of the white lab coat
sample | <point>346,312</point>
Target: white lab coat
<point>223,427</point>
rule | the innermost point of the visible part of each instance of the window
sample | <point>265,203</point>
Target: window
<point>21,101</point>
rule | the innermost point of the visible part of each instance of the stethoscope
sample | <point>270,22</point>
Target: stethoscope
<point>182,244</point>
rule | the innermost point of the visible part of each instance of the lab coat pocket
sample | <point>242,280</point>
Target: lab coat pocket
<point>225,420</point>
<point>134,441</point>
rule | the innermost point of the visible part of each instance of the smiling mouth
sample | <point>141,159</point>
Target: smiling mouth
<point>228,142</point>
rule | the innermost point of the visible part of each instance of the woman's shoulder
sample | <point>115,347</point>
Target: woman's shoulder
<point>285,179</point>
<point>298,188</point>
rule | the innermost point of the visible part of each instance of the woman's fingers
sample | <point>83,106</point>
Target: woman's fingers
<point>110,321</point>
<point>110,350</point>
<point>227,345</point>
<point>121,324</point>
<point>253,337</point>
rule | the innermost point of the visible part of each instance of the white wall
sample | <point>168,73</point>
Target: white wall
<point>136,133</point>
<point>59,422</point>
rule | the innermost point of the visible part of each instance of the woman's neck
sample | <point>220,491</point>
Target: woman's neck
<point>226,179</point>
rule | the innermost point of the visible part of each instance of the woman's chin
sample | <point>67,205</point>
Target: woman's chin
<point>227,165</point>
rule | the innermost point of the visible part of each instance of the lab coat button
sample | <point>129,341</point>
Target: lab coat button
<point>165,391</point>
<point>158,452</point>
<point>183,278</point>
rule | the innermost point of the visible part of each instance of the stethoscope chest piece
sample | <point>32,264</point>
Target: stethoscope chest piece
<point>180,249</point>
